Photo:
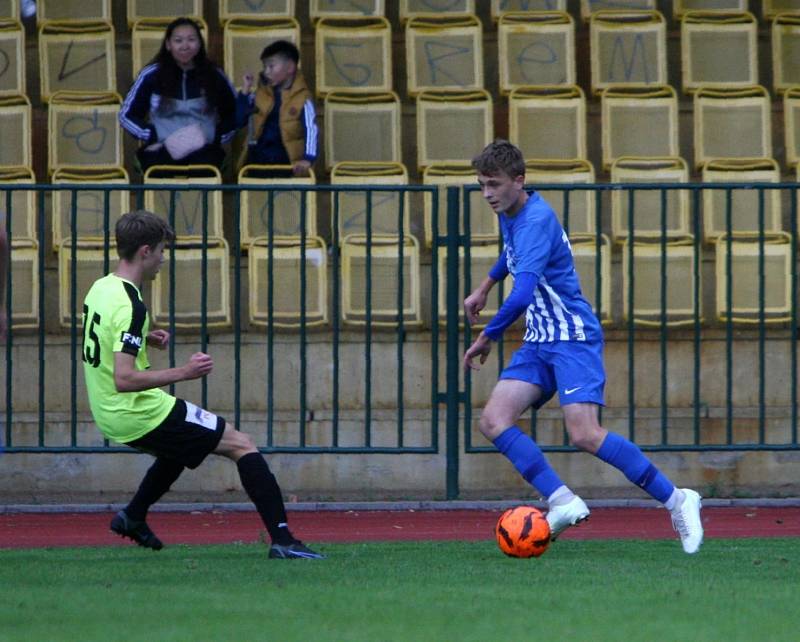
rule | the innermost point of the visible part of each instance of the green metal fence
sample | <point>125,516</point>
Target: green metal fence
<point>355,388</point>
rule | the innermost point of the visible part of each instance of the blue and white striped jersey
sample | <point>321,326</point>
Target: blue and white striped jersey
<point>535,242</point>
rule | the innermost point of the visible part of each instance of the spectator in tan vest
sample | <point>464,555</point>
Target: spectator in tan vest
<point>282,128</point>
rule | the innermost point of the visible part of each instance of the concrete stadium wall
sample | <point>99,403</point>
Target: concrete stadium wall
<point>110,477</point>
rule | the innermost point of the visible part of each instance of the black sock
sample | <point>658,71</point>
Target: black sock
<point>263,490</point>
<point>157,481</point>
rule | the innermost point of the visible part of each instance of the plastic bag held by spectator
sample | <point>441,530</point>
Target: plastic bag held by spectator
<point>184,141</point>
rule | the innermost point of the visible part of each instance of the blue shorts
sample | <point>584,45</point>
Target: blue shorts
<point>574,369</point>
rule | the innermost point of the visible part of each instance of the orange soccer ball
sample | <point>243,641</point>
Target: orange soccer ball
<point>522,532</point>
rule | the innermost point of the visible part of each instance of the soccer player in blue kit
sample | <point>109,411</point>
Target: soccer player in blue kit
<point>562,351</point>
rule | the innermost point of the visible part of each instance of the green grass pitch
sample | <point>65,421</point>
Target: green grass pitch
<point>742,589</point>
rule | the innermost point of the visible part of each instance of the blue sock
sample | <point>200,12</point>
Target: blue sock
<point>625,455</point>
<point>529,460</point>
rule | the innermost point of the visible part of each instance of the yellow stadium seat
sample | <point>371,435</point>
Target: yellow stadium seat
<point>482,256</point>
<point>337,9</point>
<point>482,219</point>
<point>380,281</point>
<point>83,131</point>
<point>147,34</point>
<point>732,123</point>
<point>245,38</point>
<point>15,132</point>
<point>138,9</point>
<point>655,213</point>
<point>9,9</point>
<point>772,8</point>
<point>593,271</point>
<point>195,265</point>
<point>536,48</point>
<point>501,8</point>
<point>791,125</point>
<point>744,202</point>
<point>76,10</point>
<point>23,281</point>
<point>590,7</point>
<point>269,9</point>
<point>548,122</point>
<point>184,209</point>
<point>91,260</point>
<point>416,8</point>
<point>23,204</point>
<point>77,57</point>
<point>12,58</point>
<point>444,53</point>
<point>639,122</point>
<point>286,205</point>
<point>362,127</point>
<point>664,286</point>
<point>353,55</point>
<point>743,304</point>
<point>629,49</point>
<point>719,49</point>
<point>452,126</point>
<point>576,209</point>
<point>91,205</point>
<point>785,51</point>
<point>281,266</point>
<point>384,212</point>
<point>681,7</point>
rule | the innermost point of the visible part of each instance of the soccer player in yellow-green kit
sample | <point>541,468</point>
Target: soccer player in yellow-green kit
<point>130,407</point>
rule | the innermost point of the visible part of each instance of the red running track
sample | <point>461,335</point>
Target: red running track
<point>33,530</point>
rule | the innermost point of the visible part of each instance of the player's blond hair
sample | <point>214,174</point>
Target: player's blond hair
<point>498,157</point>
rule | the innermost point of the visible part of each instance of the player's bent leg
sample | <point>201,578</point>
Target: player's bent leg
<point>234,444</point>
<point>684,504</point>
<point>583,426</point>
<point>508,401</point>
<point>263,490</point>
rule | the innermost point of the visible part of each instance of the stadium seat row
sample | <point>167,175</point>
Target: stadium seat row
<point>406,9</point>
<point>442,52</point>
<point>279,208</point>
<point>547,123</point>
<point>379,281</point>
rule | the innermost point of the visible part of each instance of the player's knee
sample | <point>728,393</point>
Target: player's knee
<point>245,443</point>
<point>586,438</point>
<point>490,425</point>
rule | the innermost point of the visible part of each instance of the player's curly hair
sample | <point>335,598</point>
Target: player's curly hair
<point>139,228</point>
<point>500,156</point>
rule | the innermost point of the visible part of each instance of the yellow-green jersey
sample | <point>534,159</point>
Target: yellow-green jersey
<point>115,319</point>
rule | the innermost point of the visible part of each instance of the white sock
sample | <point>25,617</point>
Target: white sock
<point>675,500</point>
<point>561,495</point>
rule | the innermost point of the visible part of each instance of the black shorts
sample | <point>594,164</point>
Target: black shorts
<point>188,435</point>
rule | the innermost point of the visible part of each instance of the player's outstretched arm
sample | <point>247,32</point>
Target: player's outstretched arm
<point>128,379</point>
<point>476,301</point>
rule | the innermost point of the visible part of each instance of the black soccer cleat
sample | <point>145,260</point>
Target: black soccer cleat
<point>139,532</point>
<point>293,551</point>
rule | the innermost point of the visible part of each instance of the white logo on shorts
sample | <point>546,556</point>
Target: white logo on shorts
<point>196,415</point>
<point>569,391</point>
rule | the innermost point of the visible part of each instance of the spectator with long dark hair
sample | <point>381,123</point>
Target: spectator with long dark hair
<point>182,106</point>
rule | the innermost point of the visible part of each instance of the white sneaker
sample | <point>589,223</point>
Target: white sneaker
<point>562,517</point>
<point>686,520</point>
